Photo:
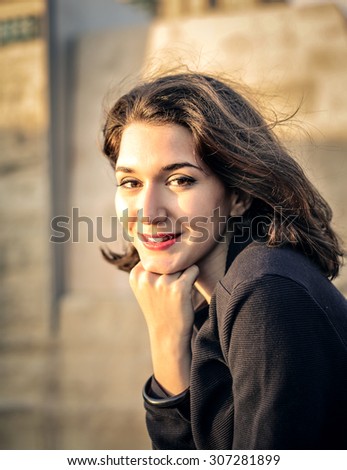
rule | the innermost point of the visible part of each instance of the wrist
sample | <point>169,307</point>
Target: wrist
<point>171,365</point>
<point>176,347</point>
<point>173,341</point>
<point>163,402</point>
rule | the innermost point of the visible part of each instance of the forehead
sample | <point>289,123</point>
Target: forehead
<point>156,144</point>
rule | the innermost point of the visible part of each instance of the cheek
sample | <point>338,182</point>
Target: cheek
<point>121,205</point>
<point>125,215</point>
<point>217,206</point>
<point>122,211</point>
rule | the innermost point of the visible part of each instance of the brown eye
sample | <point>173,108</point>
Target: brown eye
<point>181,181</point>
<point>129,184</point>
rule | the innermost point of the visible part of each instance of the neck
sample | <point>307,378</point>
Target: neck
<point>212,270</point>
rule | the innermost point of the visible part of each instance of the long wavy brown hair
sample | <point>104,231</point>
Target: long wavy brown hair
<point>239,146</point>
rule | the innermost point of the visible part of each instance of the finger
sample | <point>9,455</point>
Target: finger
<point>139,276</point>
<point>190,275</point>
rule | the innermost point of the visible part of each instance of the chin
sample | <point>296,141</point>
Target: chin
<point>161,268</point>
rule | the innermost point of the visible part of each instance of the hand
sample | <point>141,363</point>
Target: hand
<point>166,301</point>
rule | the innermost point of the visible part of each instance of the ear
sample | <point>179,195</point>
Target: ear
<point>239,202</point>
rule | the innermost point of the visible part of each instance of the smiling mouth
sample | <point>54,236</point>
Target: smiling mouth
<point>158,238</point>
<point>159,241</point>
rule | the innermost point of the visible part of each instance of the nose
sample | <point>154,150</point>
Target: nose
<point>151,206</point>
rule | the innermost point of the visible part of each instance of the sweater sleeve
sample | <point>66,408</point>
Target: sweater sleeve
<point>169,428</point>
<point>278,356</point>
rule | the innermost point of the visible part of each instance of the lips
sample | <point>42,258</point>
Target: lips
<point>158,237</point>
<point>159,241</point>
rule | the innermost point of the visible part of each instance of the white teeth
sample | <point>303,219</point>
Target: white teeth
<point>156,240</point>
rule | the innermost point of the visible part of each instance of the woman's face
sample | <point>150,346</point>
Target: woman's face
<point>172,207</point>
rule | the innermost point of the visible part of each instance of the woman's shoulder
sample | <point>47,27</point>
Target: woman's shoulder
<point>274,284</point>
<point>261,265</point>
<point>258,260</point>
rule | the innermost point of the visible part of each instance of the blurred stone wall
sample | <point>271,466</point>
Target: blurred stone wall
<point>24,249</point>
<point>178,8</point>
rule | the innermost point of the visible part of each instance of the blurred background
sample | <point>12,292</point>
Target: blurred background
<point>74,349</point>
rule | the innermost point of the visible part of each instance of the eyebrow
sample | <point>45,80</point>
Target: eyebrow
<point>172,167</point>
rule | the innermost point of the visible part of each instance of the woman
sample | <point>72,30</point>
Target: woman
<point>231,252</point>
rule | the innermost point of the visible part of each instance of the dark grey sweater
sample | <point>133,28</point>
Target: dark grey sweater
<point>269,365</point>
